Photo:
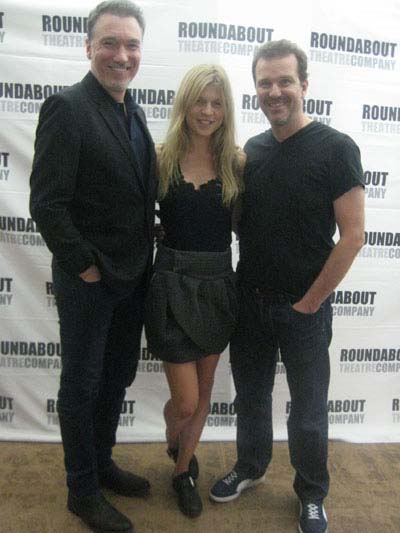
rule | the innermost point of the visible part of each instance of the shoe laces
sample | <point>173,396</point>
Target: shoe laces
<point>313,511</point>
<point>230,478</point>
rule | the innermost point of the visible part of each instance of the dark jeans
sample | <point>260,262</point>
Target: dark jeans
<point>266,324</point>
<point>100,332</point>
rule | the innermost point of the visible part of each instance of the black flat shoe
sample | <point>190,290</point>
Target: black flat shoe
<point>193,463</point>
<point>123,482</point>
<point>188,498</point>
<point>98,514</point>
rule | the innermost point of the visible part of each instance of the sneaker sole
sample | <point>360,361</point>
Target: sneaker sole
<point>101,530</point>
<point>246,484</point>
<point>301,531</point>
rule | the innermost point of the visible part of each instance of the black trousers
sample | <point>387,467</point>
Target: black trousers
<point>265,325</point>
<point>100,332</point>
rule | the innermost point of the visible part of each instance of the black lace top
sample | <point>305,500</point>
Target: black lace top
<point>196,219</point>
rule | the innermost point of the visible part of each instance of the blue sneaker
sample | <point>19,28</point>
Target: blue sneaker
<point>313,517</point>
<point>230,487</point>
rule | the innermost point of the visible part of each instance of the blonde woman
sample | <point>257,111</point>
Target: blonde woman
<point>191,306</point>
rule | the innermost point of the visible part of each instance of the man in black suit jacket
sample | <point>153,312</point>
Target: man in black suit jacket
<point>92,195</point>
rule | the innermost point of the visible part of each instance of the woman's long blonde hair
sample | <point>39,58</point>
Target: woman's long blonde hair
<point>178,142</point>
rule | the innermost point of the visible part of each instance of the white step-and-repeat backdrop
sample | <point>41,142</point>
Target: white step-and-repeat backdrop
<point>354,64</point>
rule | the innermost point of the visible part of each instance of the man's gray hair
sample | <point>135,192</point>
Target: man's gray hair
<point>120,8</point>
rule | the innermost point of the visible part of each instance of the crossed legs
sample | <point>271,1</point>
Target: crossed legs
<point>186,411</point>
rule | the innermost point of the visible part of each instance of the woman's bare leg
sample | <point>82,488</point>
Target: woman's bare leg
<point>185,413</point>
<point>183,385</point>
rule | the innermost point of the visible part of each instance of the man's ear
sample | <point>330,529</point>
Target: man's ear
<point>88,49</point>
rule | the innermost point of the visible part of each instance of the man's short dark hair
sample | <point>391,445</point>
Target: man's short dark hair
<point>120,8</point>
<point>282,48</point>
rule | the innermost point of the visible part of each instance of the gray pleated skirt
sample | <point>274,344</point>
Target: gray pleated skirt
<point>191,306</point>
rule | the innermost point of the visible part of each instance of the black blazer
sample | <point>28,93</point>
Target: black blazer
<point>87,196</point>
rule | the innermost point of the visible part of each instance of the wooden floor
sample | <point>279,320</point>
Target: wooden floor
<point>364,495</point>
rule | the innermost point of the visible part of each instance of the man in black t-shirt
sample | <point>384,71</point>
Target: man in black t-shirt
<point>302,179</point>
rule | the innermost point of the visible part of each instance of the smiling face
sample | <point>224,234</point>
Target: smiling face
<point>115,52</point>
<point>281,93</point>
<point>206,115</point>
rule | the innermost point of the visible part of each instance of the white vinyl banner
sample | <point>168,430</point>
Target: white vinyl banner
<point>354,65</point>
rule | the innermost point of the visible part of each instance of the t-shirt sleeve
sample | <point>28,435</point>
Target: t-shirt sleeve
<point>346,168</point>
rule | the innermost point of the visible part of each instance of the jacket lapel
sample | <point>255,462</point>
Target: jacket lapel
<point>140,117</point>
<point>110,117</point>
<point>151,185</point>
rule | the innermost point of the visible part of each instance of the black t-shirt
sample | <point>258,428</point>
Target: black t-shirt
<point>287,224</point>
<point>196,220</point>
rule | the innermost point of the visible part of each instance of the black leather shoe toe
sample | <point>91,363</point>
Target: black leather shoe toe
<point>98,514</point>
<point>188,498</point>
